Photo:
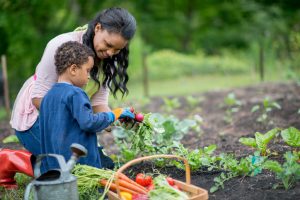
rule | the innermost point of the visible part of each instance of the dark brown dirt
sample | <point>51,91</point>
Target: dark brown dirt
<point>216,131</point>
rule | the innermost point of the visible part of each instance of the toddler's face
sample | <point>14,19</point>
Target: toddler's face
<point>83,73</point>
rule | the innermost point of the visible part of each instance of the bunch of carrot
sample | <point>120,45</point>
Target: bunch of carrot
<point>90,178</point>
<point>125,185</point>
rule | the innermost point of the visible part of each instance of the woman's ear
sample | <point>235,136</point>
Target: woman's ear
<point>72,69</point>
<point>98,27</point>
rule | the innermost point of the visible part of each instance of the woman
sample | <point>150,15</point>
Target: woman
<point>108,35</point>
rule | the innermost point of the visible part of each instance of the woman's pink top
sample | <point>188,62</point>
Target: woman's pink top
<point>24,113</point>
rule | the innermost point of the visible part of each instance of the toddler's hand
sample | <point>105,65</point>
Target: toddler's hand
<point>121,113</point>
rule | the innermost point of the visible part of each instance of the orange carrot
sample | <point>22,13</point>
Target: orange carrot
<point>125,178</point>
<point>113,187</point>
<point>131,187</point>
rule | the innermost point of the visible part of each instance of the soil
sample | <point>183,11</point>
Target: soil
<point>215,130</point>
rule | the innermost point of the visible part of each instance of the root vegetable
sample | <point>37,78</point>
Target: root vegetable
<point>113,187</point>
<point>139,117</point>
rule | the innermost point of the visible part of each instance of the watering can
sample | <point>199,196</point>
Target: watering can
<point>56,184</point>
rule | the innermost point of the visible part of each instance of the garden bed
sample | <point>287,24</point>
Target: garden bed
<point>215,130</point>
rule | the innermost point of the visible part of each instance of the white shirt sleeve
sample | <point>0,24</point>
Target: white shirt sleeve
<point>46,75</point>
<point>100,97</point>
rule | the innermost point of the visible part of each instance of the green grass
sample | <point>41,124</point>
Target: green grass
<point>3,113</point>
<point>194,85</point>
<point>18,194</point>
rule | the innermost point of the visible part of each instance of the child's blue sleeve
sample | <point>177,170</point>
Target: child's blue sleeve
<point>82,112</point>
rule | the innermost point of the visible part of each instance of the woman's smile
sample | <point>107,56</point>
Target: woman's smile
<point>104,54</point>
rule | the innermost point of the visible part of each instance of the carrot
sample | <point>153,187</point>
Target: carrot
<point>125,178</point>
<point>131,187</point>
<point>113,187</point>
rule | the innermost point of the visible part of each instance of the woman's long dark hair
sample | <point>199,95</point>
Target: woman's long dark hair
<point>116,20</point>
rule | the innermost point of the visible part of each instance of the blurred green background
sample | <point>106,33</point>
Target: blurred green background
<point>187,46</point>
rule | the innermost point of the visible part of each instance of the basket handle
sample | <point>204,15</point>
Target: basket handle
<point>138,160</point>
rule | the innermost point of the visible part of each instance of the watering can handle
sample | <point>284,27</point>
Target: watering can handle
<point>60,159</point>
<point>27,191</point>
<point>37,171</point>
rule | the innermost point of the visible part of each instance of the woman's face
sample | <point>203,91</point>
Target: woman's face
<point>107,44</point>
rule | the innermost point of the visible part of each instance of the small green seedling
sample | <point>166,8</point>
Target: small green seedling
<point>289,172</point>
<point>193,102</point>
<point>260,141</point>
<point>267,107</point>
<point>232,105</point>
<point>170,104</point>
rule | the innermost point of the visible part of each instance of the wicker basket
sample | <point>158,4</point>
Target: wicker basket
<point>194,192</point>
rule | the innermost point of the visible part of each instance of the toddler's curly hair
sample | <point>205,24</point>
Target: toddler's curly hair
<point>70,53</point>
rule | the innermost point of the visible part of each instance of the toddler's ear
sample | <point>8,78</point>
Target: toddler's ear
<point>72,69</point>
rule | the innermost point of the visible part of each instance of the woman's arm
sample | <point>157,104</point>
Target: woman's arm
<point>46,75</point>
<point>37,102</point>
<point>99,100</point>
<point>101,108</point>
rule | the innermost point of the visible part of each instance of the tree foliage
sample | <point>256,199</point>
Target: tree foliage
<point>182,25</point>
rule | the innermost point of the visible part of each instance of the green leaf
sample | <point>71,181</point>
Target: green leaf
<point>255,108</point>
<point>213,189</point>
<point>266,102</point>
<point>170,129</point>
<point>185,125</point>
<point>210,149</point>
<point>259,138</point>
<point>120,132</point>
<point>10,139</point>
<point>248,141</point>
<point>262,140</point>
<point>270,135</point>
<point>231,100</point>
<point>276,105</point>
<point>291,136</point>
<point>256,171</point>
<point>273,166</point>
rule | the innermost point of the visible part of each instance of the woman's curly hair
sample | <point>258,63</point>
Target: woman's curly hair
<point>116,20</point>
<point>70,53</point>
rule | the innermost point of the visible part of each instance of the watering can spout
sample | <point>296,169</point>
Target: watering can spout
<point>78,151</point>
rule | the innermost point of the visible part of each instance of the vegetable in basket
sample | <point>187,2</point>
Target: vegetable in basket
<point>143,179</point>
<point>163,190</point>
<point>90,178</point>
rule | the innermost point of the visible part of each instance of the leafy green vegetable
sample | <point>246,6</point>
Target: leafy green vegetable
<point>289,172</point>
<point>88,179</point>
<point>163,190</point>
<point>261,140</point>
<point>156,135</point>
<point>291,136</point>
